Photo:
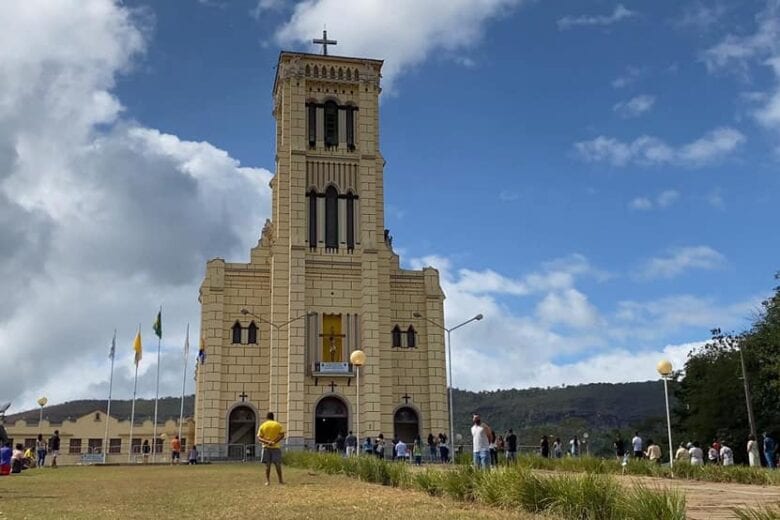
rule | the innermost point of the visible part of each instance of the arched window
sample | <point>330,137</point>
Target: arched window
<point>316,71</point>
<point>308,70</point>
<point>350,128</point>
<point>331,218</point>
<point>312,218</point>
<point>350,220</point>
<point>312,122</point>
<point>396,336</point>
<point>331,124</point>
<point>411,337</point>
<point>252,333</point>
<point>236,332</point>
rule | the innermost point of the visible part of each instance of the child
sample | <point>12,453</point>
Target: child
<point>193,457</point>
<point>417,451</point>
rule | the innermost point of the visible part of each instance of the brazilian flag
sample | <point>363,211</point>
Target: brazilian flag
<point>158,324</point>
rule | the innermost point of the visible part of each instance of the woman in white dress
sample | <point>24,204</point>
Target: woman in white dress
<point>753,456</point>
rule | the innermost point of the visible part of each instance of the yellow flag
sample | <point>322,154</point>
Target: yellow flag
<point>137,347</point>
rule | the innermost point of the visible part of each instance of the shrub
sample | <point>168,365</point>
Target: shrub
<point>757,513</point>
<point>429,481</point>
<point>642,503</point>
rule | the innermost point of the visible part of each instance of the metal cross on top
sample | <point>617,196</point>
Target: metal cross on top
<point>324,41</point>
<point>406,397</point>
<point>243,396</point>
<point>333,386</point>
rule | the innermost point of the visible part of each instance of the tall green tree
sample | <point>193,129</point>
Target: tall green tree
<point>711,401</point>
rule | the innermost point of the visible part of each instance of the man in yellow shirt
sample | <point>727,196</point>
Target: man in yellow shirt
<point>270,436</point>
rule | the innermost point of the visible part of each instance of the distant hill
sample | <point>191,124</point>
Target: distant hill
<point>168,408</point>
<point>600,409</point>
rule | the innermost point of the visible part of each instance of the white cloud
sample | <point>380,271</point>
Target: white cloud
<point>735,51</point>
<point>648,150</point>
<point>680,260</point>
<point>634,107</point>
<point>700,16</point>
<point>508,196</point>
<point>663,200</point>
<point>641,204</point>
<point>667,197</point>
<point>631,75</point>
<point>620,13</point>
<point>403,32</point>
<point>568,307</point>
<point>101,219</point>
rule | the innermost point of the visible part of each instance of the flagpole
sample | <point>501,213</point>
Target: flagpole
<point>157,391</point>
<point>110,388</point>
<point>184,378</point>
<point>132,408</point>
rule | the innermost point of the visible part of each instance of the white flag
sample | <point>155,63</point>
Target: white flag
<point>187,343</point>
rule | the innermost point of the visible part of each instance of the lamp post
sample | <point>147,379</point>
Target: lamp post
<point>278,327</point>
<point>358,359</point>
<point>664,367</point>
<point>449,358</point>
<point>41,402</point>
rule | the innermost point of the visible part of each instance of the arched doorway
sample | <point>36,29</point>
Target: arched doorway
<point>242,425</point>
<point>331,418</point>
<point>406,424</point>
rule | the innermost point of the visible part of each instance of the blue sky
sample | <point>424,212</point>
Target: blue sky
<point>598,178</point>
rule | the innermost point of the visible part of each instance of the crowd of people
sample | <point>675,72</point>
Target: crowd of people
<point>15,459</point>
<point>433,449</point>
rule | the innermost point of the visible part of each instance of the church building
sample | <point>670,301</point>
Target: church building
<point>322,282</point>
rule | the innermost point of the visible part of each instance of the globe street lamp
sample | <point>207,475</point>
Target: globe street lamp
<point>41,402</point>
<point>449,358</point>
<point>358,359</point>
<point>275,343</point>
<point>664,367</point>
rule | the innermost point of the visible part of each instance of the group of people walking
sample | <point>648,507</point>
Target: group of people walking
<point>434,449</point>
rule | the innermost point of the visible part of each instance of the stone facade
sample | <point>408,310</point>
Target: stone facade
<point>324,271</point>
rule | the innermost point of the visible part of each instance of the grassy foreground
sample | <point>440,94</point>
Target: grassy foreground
<point>708,473</point>
<point>584,496</point>
<point>216,491</point>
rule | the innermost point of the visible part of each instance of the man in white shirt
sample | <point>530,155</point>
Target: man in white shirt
<point>481,435</point>
<point>726,455</point>
<point>636,445</point>
<point>697,455</point>
<point>401,451</point>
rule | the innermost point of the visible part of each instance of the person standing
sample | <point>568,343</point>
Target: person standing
<point>54,447</point>
<point>620,447</point>
<point>351,442</point>
<point>368,446</point>
<point>544,447</point>
<point>557,449</point>
<point>754,457</point>
<point>697,455</point>
<point>340,443</point>
<point>574,447</point>
<point>444,449</point>
<point>192,459</point>
<point>480,437</point>
<point>726,454</point>
<point>769,450</point>
<point>379,446</point>
<point>636,445</point>
<point>432,447</point>
<point>417,451</point>
<point>5,459</point>
<point>40,450</point>
<point>146,450</point>
<point>682,454</point>
<point>175,450</point>
<point>511,446</point>
<point>653,452</point>
<point>270,435</point>
<point>401,450</point>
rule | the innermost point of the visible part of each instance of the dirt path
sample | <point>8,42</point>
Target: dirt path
<point>713,501</point>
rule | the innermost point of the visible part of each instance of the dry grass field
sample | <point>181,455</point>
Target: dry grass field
<point>216,491</point>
